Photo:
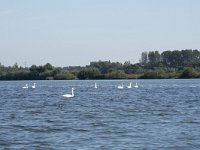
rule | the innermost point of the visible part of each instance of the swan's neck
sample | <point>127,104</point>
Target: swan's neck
<point>72,92</point>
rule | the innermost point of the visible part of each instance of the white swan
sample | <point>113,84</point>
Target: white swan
<point>120,86</point>
<point>130,86</point>
<point>69,95</point>
<point>136,86</point>
<point>33,87</point>
<point>25,87</point>
<point>95,85</point>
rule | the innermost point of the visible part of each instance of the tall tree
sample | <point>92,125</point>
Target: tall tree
<point>154,58</point>
<point>144,58</point>
<point>166,58</point>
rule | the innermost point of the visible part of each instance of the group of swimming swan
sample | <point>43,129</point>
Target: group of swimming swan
<point>26,86</point>
<point>95,86</point>
<point>129,86</point>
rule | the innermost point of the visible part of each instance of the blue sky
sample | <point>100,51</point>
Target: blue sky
<point>76,32</point>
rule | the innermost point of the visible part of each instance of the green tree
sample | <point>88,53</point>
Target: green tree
<point>48,66</point>
<point>117,74</point>
<point>154,58</point>
<point>128,67</point>
<point>34,72</point>
<point>64,76</point>
<point>176,60</point>
<point>166,58</point>
<point>88,73</point>
<point>144,58</point>
<point>57,70</point>
<point>189,73</point>
<point>186,58</point>
<point>196,57</point>
<point>106,66</point>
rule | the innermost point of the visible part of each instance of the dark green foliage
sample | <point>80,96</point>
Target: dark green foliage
<point>88,73</point>
<point>154,58</point>
<point>106,66</point>
<point>46,72</point>
<point>128,67</point>
<point>117,74</point>
<point>189,73</point>
<point>64,76</point>
<point>144,58</point>
<point>156,74</point>
<point>153,65</point>
<point>48,66</point>
<point>172,59</point>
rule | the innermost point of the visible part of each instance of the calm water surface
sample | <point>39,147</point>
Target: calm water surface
<point>160,114</point>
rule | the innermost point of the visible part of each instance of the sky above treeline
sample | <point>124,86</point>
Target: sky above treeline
<point>76,32</point>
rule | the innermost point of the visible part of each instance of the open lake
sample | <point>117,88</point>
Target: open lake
<point>159,115</point>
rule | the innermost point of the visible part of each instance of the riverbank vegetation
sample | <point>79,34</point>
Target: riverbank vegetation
<point>152,65</point>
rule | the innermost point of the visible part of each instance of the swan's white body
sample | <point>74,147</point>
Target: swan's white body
<point>120,86</point>
<point>33,87</point>
<point>25,87</point>
<point>130,86</point>
<point>95,86</point>
<point>69,95</point>
<point>136,86</point>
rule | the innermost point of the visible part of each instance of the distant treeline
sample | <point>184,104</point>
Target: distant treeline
<point>152,65</point>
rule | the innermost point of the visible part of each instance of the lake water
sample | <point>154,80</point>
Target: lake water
<point>159,115</point>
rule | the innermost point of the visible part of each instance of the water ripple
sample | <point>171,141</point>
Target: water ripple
<point>160,114</point>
